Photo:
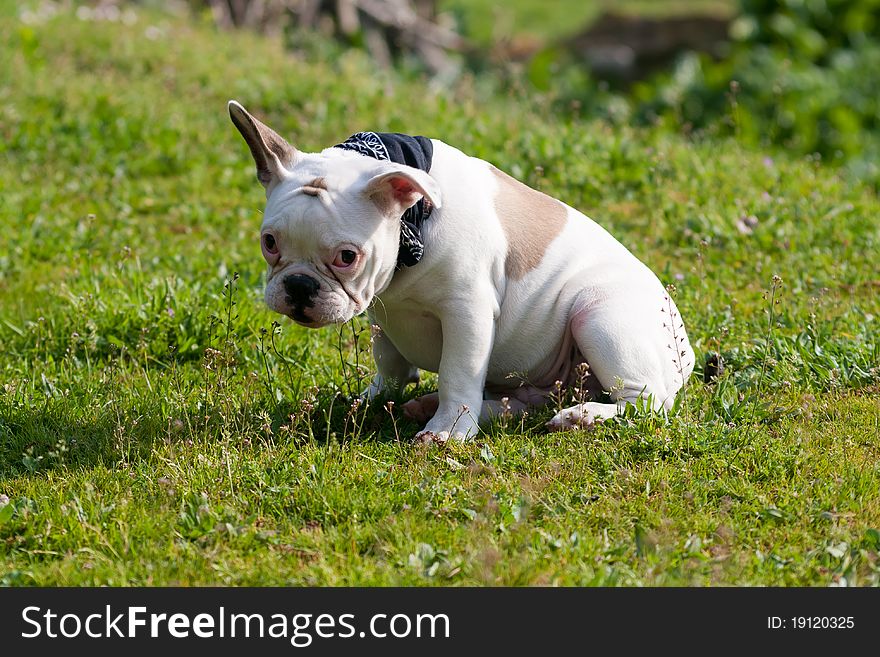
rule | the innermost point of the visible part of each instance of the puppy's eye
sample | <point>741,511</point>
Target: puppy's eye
<point>269,243</point>
<point>344,258</point>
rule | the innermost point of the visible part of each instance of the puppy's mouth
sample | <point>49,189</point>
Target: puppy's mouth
<point>332,303</point>
<point>299,317</point>
<point>308,324</point>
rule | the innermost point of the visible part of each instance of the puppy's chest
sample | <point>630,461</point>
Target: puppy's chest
<point>416,333</point>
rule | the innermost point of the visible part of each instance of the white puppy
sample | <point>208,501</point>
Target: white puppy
<point>502,290</point>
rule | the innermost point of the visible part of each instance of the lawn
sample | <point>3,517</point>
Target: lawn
<point>157,426</point>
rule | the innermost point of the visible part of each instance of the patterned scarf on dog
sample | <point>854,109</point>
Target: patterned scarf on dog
<point>415,152</point>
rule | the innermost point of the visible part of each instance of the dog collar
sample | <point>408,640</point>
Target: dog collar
<point>416,152</point>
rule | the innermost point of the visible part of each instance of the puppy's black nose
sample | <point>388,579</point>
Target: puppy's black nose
<point>300,289</point>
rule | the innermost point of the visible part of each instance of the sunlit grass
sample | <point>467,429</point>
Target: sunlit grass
<point>156,427</point>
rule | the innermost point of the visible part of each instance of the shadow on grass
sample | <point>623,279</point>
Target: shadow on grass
<point>38,438</point>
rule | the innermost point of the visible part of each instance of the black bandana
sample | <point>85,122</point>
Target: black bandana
<point>415,152</point>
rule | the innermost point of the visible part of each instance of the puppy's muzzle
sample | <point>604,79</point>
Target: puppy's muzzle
<point>301,290</point>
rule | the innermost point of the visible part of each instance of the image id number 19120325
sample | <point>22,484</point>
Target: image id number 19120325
<point>811,623</point>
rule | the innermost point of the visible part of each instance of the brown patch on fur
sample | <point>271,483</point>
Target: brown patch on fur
<point>314,188</point>
<point>531,221</point>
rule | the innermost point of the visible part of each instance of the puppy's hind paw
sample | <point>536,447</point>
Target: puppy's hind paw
<point>421,409</point>
<point>566,420</point>
<point>582,416</point>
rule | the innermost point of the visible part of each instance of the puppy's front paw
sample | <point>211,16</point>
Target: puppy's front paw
<point>448,424</point>
<point>431,438</point>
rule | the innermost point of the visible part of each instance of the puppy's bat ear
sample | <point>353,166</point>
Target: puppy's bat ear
<point>396,189</point>
<point>272,154</point>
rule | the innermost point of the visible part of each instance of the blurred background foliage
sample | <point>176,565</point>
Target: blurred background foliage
<point>801,75</point>
<point>796,74</point>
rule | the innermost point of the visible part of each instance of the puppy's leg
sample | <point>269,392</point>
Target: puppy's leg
<point>467,344</point>
<point>393,370</point>
<point>636,347</point>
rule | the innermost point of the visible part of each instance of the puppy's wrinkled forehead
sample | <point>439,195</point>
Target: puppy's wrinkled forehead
<point>333,178</point>
<point>322,203</point>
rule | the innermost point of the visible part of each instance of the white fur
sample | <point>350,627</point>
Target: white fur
<point>456,312</point>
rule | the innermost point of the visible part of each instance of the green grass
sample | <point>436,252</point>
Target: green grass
<point>146,434</point>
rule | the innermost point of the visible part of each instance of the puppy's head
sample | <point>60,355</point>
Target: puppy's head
<point>331,228</point>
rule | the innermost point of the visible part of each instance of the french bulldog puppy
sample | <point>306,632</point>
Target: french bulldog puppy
<point>508,294</point>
